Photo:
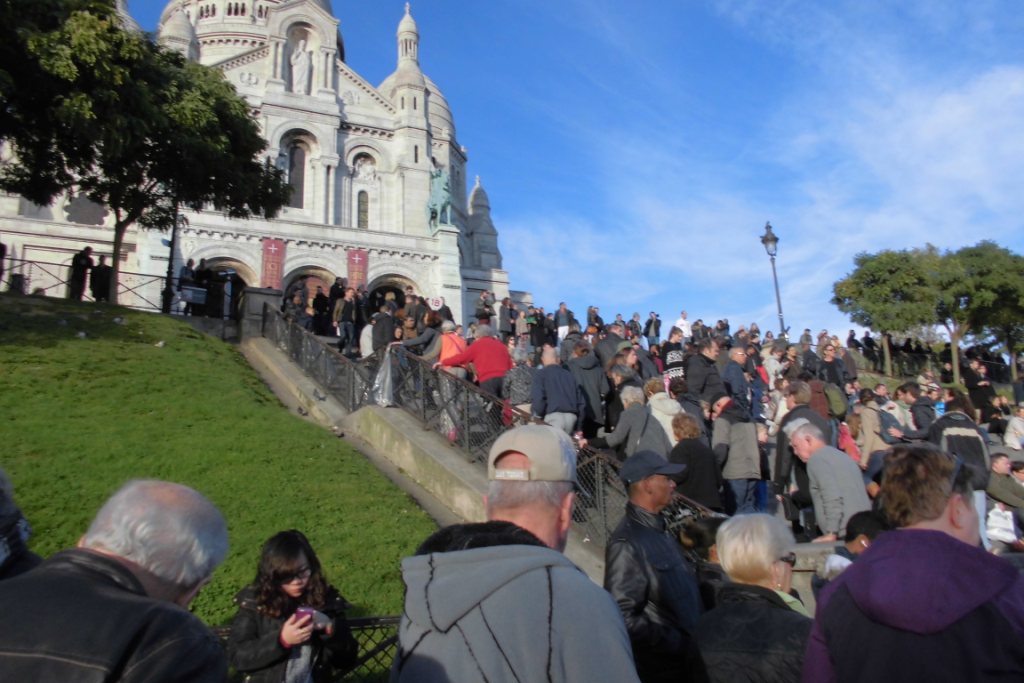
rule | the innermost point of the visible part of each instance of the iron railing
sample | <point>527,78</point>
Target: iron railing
<point>139,291</point>
<point>469,418</point>
<point>377,638</point>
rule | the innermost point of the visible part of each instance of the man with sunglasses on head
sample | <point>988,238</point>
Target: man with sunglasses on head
<point>925,602</point>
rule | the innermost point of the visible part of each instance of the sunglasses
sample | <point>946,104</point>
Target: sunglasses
<point>300,575</point>
<point>789,558</point>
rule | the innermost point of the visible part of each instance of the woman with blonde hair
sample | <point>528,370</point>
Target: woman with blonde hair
<point>759,630</point>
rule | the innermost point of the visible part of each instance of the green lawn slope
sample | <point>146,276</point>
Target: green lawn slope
<point>94,395</point>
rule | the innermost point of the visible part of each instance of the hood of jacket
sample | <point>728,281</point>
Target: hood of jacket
<point>662,404</point>
<point>924,581</point>
<point>587,362</point>
<point>443,587</point>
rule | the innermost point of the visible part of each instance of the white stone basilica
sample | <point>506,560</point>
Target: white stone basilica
<point>378,175</point>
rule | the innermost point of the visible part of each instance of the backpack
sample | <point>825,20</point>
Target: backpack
<point>837,404</point>
<point>885,421</point>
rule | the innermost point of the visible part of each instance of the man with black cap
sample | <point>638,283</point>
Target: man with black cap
<point>497,600</point>
<point>652,582</point>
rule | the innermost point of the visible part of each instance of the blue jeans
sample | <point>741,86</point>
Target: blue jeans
<point>740,496</point>
<point>347,336</point>
<point>875,462</point>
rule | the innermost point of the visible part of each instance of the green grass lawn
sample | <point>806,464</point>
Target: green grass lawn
<point>79,416</point>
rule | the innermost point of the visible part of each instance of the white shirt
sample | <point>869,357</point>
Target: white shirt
<point>684,325</point>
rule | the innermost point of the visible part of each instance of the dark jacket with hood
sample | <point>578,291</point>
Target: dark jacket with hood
<point>752,636</point>
<point>920,606</point>
<point>593,381</point>
<point>923,413</point>
<point>490,602</point>
<point>657,592</point>
<point>256,651</point>
<point>703,378</point>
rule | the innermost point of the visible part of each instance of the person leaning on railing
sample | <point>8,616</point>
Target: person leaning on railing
<point>489,357</point>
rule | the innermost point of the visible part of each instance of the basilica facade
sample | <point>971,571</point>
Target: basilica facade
<point>379,178</point>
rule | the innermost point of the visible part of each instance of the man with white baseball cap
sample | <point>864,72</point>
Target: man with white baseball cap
<point>497,600</point>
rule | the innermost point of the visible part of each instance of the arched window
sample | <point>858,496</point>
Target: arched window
<point>363,210</point>
<point>297,175</point>
<point>416,154</point>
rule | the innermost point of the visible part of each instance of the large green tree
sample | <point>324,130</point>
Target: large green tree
<point>977,289</point>
<point>998,310</point>
<point>160,132</point>
<point>888,292</point>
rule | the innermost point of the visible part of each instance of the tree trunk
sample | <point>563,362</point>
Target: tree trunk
<point>886,356</point>
<point>120,228</point>
<point>954,338</point>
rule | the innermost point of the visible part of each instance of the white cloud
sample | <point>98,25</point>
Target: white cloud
<point>878,148</point>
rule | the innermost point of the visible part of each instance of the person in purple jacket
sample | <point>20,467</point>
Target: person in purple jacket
<point>925,602</point>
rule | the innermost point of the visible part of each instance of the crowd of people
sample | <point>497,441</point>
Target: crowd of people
<point>908,491</point>
<point>909,593</point>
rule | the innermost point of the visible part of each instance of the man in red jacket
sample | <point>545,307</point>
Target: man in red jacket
<point>490,359</point>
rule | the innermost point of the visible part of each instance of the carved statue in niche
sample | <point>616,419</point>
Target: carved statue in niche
<point>302,64</point>
<point>439,208</point>
<point>366,168</point>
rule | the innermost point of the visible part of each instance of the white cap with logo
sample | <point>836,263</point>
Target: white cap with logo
<point>551,452</point>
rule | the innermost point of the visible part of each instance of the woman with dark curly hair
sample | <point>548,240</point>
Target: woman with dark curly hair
<point>290,624</point>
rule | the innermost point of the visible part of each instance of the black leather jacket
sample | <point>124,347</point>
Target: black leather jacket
<point>83,617</point>
<point>656,590</point>
<point>752,637</point>
<point>255,648</point>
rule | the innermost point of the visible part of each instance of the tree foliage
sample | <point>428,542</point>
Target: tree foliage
<point>977,289</point>
<point>887,292</point>
<point>150,130</point>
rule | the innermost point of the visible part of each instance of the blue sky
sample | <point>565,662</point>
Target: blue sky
<point>633,151</point>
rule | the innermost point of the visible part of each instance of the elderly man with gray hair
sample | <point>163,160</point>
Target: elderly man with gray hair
<point>497,600</point>
<point>115,607</point>
<point>837,487</point>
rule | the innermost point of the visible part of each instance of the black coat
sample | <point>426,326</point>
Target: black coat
<point>752,637</point>
<point>703,378</point>
<point>702,478</point>
<point>656,590</point>
<point>82,617</point>
<point>255,649</point>
<point>383,331</point>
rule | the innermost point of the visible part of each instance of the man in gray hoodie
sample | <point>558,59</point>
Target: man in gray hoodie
<point>498,601</point>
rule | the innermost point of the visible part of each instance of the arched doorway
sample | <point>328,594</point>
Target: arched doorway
<point>315,277</point>
<point>388,287</point>
<point>227,274</point>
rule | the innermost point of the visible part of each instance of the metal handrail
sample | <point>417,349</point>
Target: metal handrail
<point>442,402</point>
<point>48,276</point>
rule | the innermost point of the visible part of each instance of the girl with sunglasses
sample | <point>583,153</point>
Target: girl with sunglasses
<point>291,623</point>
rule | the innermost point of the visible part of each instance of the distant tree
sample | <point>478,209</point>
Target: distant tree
<point>161,132</point>
<point>977,289</point>
<point>998,308</point>
<point>889,291</point>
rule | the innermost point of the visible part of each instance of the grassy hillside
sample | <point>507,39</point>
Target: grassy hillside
<point>94,395</point>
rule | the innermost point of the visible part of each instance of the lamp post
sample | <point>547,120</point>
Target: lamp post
<point>771,245</point>
<point>168,293</point>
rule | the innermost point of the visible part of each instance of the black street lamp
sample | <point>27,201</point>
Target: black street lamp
<point>168,293</point>
<point>771,245</point>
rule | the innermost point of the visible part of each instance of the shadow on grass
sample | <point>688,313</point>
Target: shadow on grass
<point>46,322</point>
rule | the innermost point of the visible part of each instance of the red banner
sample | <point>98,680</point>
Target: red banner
<point>273,258</point>
<point>358,266</point>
